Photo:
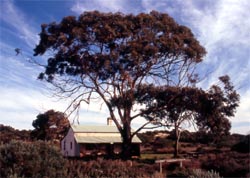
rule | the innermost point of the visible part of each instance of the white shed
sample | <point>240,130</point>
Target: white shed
<point>82,140</point>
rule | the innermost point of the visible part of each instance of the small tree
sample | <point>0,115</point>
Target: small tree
<point>108,56</point>
<point>209,110</point>
<point>218,108</point>
<point>50,125</point>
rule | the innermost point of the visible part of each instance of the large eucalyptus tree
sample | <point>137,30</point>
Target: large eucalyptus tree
<point>112,55</point>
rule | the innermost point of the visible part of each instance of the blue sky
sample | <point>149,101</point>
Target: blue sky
<point>221,26</point>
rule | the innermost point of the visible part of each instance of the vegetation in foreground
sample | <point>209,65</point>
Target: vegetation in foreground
<point>26,158</point>
<point>40,159</point>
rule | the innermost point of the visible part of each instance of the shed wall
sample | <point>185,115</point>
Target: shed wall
<point>69,147</point>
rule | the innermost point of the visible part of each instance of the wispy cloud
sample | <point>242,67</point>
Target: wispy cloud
<point>19,108</point>
<point>19,21</point>
<point>223,28</point>
<point>124,6</point>
<point>23,97</point>
<point>225,24</point>
<point>224,31</point>
<point>104,6</point>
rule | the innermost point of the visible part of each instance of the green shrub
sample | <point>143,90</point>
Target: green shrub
<point>30,159</point>
<point>198,173</point>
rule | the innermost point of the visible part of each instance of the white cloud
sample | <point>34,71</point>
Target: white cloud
<point>17,108</point>
<point>23,105</point>
<point>243,112</point>
<point>241,121</point>
<point>223,25</point>
<point>149,5</point>
<point>241,129</point>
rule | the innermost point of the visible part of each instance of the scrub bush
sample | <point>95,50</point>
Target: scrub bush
<point>110,168</point>
<point>231,164</point>
<point>31,159</point>
<point>198,173</point>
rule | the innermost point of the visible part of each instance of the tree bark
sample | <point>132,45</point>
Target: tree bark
<point>176,146</point>
<point>127,142</point>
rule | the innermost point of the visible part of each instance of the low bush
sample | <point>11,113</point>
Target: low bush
<point>198,173</point>
<point>110,168</point>
<point>40,159</point>
<point>229,165</point>
<point>36,159</point>
<point>243,146</point>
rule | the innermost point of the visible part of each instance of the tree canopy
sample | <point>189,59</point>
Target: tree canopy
<point>50,125</point>
<point>208,110</point>
<point>117,58</point>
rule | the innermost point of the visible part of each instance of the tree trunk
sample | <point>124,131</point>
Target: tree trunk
<point>126,142</point>
<point>176,146</point>
<point>176,149</point>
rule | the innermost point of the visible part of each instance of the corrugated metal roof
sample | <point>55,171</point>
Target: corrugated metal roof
<point>102,139</point>
<point>95,129</point>
<point>97,138</point>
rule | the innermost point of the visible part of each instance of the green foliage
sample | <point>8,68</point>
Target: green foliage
<point>198,173</point>
<point>30,159</point>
